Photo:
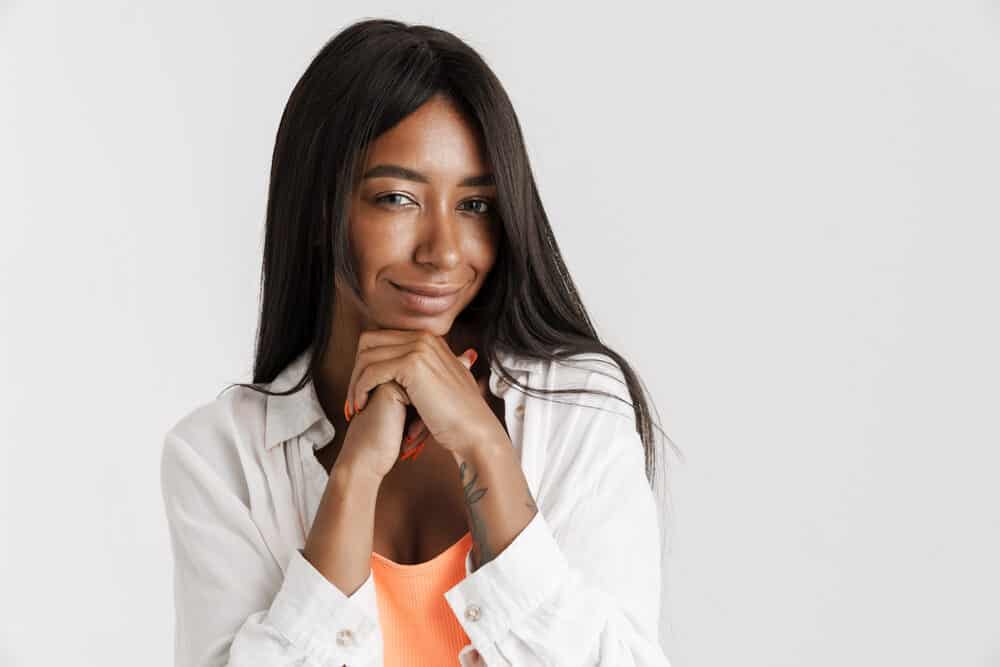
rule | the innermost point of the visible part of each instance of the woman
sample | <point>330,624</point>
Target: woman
<point>399,486</point>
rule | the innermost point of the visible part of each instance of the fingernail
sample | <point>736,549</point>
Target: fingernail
<point>356,408</point>
<point>419,449</point>
<point>347,415</point>
<point>413,450</point>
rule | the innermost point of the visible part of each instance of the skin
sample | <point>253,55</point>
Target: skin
<point>405,231</point>
<point>424,233</point>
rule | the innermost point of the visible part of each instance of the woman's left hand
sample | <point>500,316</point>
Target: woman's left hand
<point>439,384</point>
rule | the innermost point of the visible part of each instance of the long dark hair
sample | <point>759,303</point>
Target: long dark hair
<point>363,82</point>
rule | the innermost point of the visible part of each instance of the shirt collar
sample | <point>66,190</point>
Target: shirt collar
<point>301,413</point>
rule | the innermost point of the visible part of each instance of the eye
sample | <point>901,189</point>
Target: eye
<point>488,204</point>
<point>379,200</point>
<point>484,209</point>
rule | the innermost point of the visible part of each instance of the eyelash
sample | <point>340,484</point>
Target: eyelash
<point>488,202</point>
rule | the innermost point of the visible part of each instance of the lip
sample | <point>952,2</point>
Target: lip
<point>429,289</point>
<point>439,301</point>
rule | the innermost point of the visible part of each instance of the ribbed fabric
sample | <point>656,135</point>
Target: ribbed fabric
<point>418,626</point>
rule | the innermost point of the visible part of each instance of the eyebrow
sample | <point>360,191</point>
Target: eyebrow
<point>398,171</point>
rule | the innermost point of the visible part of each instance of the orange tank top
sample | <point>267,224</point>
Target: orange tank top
<point>418,626</point>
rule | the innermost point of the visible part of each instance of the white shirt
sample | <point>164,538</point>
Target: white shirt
<point>579,585</point>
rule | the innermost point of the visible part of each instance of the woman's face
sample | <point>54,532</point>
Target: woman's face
<point>423,216</point>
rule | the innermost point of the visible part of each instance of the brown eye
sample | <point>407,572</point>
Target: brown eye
<point>487,208</point>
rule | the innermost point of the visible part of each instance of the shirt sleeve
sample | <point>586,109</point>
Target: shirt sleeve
<point>580,584</point>
<point>233,604</point>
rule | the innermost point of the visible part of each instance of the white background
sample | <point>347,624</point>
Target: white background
<point>784,214</point>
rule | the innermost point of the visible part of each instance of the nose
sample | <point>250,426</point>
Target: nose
<point>439,243</point>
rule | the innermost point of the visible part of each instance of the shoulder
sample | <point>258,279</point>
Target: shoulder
<point>588,418</point>
<point>596,369</point>
<point>581,440</point>
<point>595,380</point>
<point>213,442</point>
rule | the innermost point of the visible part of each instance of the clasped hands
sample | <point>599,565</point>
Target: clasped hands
<point>439,385</point>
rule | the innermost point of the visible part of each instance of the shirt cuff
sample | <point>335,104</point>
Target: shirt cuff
<point>494,598</point>
<point>319,618</point>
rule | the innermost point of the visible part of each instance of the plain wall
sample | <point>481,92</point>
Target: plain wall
<point>785,214</point>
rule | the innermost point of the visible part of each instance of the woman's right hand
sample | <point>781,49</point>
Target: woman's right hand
<point>375,435</point>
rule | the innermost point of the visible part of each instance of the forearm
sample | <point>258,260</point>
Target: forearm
<point>498,501</point>
<point>339,544</point>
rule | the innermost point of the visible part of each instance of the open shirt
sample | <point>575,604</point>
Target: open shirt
<point>579,585</point>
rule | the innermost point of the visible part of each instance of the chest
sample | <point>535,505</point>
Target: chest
<point>421,508</point>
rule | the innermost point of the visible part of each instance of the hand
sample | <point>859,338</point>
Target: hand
<point>417,434</point>
<point>438,384</point>
<point>373,438</point>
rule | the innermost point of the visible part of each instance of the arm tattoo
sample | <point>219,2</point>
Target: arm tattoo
<point>481,548</point>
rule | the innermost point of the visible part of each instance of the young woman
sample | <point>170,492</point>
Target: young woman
<point>438,461</point>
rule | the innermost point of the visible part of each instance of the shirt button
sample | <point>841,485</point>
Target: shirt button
<point>345,638</point>
<point>473,612</point>
<point>519,411</point>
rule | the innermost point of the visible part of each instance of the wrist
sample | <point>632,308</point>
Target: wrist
<point>483,450</point>
<point>351,478</point>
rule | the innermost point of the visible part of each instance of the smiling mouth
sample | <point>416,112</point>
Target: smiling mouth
<point>439,301</point>
<point>428,290</point>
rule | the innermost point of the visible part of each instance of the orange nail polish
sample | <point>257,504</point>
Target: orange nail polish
<point>347,415</point>
<point>419,448</point>
<point>413,451</point>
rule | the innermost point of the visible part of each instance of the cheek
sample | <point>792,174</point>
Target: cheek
<point>483,252</point>
<point>378,246</point>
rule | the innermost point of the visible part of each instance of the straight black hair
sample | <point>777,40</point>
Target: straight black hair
<point>363,82</point>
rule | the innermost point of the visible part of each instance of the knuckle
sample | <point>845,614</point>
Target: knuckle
<point>364,357</point>
<point>427,341</point>
<point>362,378</point>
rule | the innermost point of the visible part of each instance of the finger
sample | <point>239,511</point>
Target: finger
<point>371,358</point>
<point>414,430</point>
<point>367,340</point>
<point>469,357</point>
<point>442,348</point>
<point>412,451</point>
<point>418,429</point>
<point>403,370</point>
<point>374,339</point>
<point>419,448</point>
<point>363,358</point>
<point>370,338</point>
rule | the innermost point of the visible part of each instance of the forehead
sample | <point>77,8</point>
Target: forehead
<point>436,140</point>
